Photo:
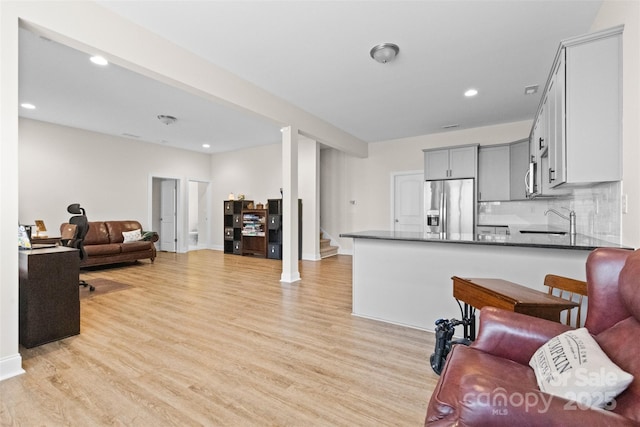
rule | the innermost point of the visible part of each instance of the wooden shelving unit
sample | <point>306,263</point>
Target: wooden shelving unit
<point>254,232</point>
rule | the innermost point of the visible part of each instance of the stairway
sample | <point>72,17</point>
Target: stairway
<point>326,250</point>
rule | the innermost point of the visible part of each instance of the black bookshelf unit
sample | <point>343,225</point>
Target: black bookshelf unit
<point>274,229</point>
<point>233,225</point>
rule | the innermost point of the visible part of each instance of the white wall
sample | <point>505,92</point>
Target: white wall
<point>367,181</point>
<point>627,12</point>
<point>257,173</point>
<point>109,176</point>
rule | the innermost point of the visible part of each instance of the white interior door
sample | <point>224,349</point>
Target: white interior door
<point>168,203</point>
<point>408,194</point>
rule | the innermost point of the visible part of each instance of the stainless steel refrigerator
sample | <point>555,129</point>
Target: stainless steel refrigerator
<point>449,206</point>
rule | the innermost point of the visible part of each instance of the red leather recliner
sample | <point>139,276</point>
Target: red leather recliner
<point>490,382</point>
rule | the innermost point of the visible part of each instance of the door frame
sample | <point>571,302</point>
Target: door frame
<point>207,231</point>
<point>180,211</point>
<point>392,197</point>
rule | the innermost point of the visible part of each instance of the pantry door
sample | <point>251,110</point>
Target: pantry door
<point>407,196</point>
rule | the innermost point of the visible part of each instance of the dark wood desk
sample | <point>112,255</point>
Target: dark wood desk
<point>45,240</point>
<point>49,295</point>
<point>478,293</point>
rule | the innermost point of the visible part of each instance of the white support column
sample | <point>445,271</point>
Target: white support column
<point>309,192</point>
<point>10,359</point>
<point>290,230</point>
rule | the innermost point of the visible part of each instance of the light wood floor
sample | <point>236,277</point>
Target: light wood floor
<point>210,339</point>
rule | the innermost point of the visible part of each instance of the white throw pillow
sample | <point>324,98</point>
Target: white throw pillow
<point>572,365</point>
<point>131,236</point>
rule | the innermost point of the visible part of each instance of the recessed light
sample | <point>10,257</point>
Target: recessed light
<point>206,146</point>
<point>99,60</point>
<point>471,92</point>
<point>28,106</point>
<point>530,90</point>
<point>455,125</point>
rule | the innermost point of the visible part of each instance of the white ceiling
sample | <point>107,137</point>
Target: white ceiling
<point>314,54</point>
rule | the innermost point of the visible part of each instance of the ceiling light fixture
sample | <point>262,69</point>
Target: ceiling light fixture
<point>206,146</point>
<point>471,92</point>
<point>530,90</point>
<point>385,52</point>
<point>167,120</point>
<point>28,106</point>
<point>99,60</point>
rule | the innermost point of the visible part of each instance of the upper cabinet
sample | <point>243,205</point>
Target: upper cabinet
<point>451,163</point>
<point>502,170</point>
<point>518,169</point>
<point>576,138</point>
<point>493,172</point>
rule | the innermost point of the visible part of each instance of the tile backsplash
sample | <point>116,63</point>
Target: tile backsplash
<point>598,211</point>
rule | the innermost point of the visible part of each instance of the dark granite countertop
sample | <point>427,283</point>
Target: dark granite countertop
<point>556,241</point>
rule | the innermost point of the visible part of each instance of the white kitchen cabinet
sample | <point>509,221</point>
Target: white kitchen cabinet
<point>494,172</point>
<point>577,134</point>
<point>436,164</point>
<point>502,170</point>
<point>536,139</point>
<point>557,171</point>
<point>538,183</point>
<point>483,230</point>
<point>451,163</point>
<point>518,167</point>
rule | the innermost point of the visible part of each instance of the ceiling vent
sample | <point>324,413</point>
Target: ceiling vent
<point>167,120</point>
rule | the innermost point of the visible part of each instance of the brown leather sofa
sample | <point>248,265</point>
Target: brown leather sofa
<point>498,361</point>
<point>104,243</point>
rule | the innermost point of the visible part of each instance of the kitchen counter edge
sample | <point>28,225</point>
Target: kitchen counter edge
<point>582,242</point>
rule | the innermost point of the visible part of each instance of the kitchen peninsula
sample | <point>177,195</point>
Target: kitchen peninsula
<point>405,277</point>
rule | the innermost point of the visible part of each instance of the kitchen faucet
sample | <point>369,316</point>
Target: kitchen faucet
<point>571,218</point>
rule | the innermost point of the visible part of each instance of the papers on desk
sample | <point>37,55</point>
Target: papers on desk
<point>24,242</point>
<point>23,238</point>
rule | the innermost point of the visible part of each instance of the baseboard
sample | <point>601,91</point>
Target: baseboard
<point>311,257</point>
<point>288,278</point>
<point>11,366</point>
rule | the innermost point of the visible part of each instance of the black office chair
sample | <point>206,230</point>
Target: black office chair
<point>79,219</point>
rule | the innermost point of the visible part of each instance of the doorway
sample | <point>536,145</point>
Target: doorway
<point>198,215</point>
<point>407,194</point>
<point>164,212</point>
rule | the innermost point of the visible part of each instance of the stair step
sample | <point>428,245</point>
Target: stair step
<point>328,251</point>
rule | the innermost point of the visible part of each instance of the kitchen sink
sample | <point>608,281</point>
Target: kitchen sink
<point>556,233</point>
